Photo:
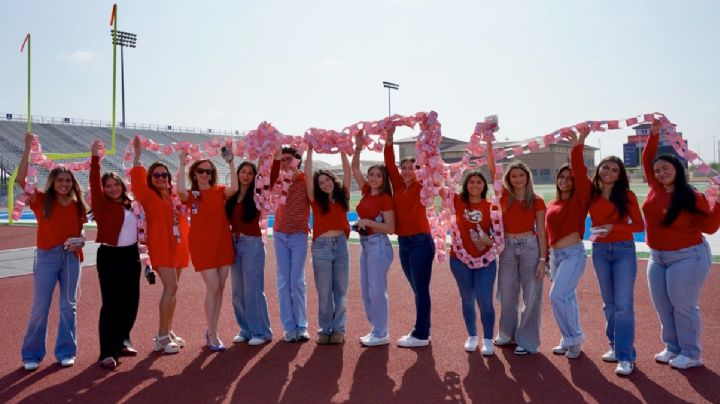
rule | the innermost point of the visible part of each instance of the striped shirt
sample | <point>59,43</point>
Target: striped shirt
<point>292,216</point>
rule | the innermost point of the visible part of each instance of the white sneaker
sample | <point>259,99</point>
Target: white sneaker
<point>29,366</point>
<point>487,347</point>
<point>375,341</point>
<point>683,362</point>
<point>257,341</point>
<point>609,356</point>
<point>67,362</point>
<point>574,351</point>
<point>239,339</point>
<point>471,344</point>
<point>665,356</point>
<point>365,337</point>
<point>502,341</point>
<point>559,350</point>
<point>408,341</point>
<point>624,368</point>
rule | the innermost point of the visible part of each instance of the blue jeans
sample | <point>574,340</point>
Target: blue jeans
<point>331,266</point>
<point>53,266</point>
<point>248,288</point>
<point>616,267</point>
<point>416,257</point>
<point>567,266</point>
<point>675,279</point>
<point>376,255</point>
<point>290,253</point>
<point>476,285</point>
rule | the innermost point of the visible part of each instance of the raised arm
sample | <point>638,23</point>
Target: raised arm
<point>182,173</point>
<point>309,182</point>
<point>490,156</point>
<point>96,193</point>
<point>649,154</point>
<point>23,165</point>
<point>359,178</point>
<point>234,183</point>
<point>389,157</point>
<point>583,186</point>
<point>138,151</point>
<point>346,170</point>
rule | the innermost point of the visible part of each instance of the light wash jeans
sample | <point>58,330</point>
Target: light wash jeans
<point>248,288</point>
<point>567,266</point>
<point>290,253</point>
<point>675,279</point>
<point>376,255</point>
<point>616,267</point>
<point>331,267</point>
<point>416,258</point>
<point>53,266</point>
<point>518,273</point>
<point>476,285</point>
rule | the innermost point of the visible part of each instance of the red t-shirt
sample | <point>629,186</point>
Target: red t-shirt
<point>371,206</point>
<point>563,217</point>
<point>517,219</point>
<point>64,222</point>
<point>410,214</point>
<point>251,228</point>
<point>469,216</point>
<point>334,219</point>
<point>603,211</point>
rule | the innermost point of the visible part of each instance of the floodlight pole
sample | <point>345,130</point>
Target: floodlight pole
<point>124,39</point>
<point>390,86</point>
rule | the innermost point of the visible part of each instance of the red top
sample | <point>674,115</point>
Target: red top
<point>603,211</point>
<point>210,239</point>
<point>64,222</point>
<point>517,219</point>
<point>371,206</point>
<point>251,228</point>
<point>686,230</point>
<point>564,217</point>
<point>334,219</point>
<point>292,216</point>
<point>464,213</point>
<point>163,248</point>
<point>108,214</point>
<point>410,214</point>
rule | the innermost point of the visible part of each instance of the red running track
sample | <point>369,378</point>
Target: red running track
<point>282,372</point>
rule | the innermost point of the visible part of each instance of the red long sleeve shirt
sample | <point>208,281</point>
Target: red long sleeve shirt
<point>603,211</point>
<point>567,216</point>
<point>410,214</point>
<point>109,215</point>
<point>687,229</point>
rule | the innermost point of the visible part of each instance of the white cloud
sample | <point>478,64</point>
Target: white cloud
<point>330,63</point>
<point>79,56</point>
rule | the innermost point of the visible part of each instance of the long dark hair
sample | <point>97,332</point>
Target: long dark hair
<point>150,171</point>
<point>562,168</point>
<point>250,210</point>
<point>683,196</point>
<point>51,196</point>
<point>465,194</point>
<point>124,198</point>
<point>619,192</point>
<point>386,187</point>
<point>339,194</point>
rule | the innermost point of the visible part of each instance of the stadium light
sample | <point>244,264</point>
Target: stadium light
<point>390,86</point>
<point>125,40</point>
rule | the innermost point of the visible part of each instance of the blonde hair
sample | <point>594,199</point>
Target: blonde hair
<point>529,195</point>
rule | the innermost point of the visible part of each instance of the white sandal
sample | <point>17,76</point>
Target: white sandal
<point>169,347</point>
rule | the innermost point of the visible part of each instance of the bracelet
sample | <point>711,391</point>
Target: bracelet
<point>543,259</point>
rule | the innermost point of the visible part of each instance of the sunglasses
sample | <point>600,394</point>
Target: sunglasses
<point>160,175</point>
<point>206,171</point>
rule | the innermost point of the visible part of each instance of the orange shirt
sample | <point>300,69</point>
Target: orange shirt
<point>210,238</point>
<point>371,206</point>
<point>334,219</point>
<point>292,216</point>
<point>517,219</point>
<point>163,248</point>
<point>410,214</point>
<point>64,222</point>
<point>466,214</point>
<point>603,211</point>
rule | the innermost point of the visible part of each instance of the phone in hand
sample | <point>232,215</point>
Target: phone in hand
<point>227,154</point>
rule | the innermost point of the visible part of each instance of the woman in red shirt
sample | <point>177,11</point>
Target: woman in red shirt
<point>376,219</point>
<point>615,215</point>
<point>565,226</point>
<point>166,240</point>
<point>60,213</point>
<point>676,216</point>
<point>118,261</point>
<point>330,202</point>
<point>211,248</point>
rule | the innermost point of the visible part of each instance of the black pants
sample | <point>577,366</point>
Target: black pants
<point>119,273</point>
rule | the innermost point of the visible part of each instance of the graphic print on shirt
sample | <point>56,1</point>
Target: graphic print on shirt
<point>474,216</point>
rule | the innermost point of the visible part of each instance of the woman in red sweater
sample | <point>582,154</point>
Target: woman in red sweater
<point>676,216</point>
<point>118,261</point>
<point>211,248</point>
<point>60,213</point>
<point>565,226</point>
<point>166,240</point>
<point>615,215</point>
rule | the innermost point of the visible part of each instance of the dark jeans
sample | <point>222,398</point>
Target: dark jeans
<point>416,257</point>
<point>119,274</point>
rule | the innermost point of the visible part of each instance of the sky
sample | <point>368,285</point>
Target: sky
<point>538,65</point>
